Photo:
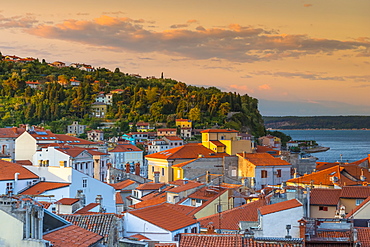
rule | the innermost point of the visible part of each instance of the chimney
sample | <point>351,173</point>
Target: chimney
<point>156,177</point>
<point>210,228</point>
<point>243,154</point>
<point>127,167</point>
<point>99,200</point>
<point>208,177</point>
<point>302,229</point>
<point>137,169</point>
<point>15,130</point>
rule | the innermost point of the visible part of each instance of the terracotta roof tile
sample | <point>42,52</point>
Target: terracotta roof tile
<point>68,201</point>
<point>280,206</point>
<point>234,240</point>
<point>230,218</point>
<point>363,236</point>
<point>103,224</point>
<point>263,159</point>
<point>150,186</point>
<point>218,144</point>
<point>72,236</point>
<point>150,202</point>
<point>119,199</point>
<point>355,192</point>
<point>324,196</point>
<point>123,184</point>
<point>41,187</point>
<point>13,132</point>
<point>189,185</point>
<point>87,208</point>
<point>173,138</point>
<point>139,237</point>
<point>187,151</point>
<point>165,245</point>
<point>164,217</point>
<point>8,169</point>
<point>73,140</point>
<point>45,204</point>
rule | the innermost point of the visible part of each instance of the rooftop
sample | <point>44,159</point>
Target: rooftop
<point>9,169</point>
<point>41,187</point>
<point>280,206</point>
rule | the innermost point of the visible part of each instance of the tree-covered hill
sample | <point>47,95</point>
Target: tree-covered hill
<point>318,122</point>
<point>57,103</point>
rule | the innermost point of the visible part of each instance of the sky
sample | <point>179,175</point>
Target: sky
<point>298,58</point>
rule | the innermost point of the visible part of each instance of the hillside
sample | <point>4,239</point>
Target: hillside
<point>55,101</point>
<point>318,122</point>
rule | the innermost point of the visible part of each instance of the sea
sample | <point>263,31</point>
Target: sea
<point>345,145</point>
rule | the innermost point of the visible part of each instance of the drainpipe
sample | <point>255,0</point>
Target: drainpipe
<point>15,181</point>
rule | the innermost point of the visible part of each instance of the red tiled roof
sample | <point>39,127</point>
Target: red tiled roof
<point>8,169</point>
<point>187,151</point>
<point>119,199</point>
<point>71,140</point>
<point>173,138</point>
<point>73,152</point>
<point>234,240</point>
<point>123,184</point>
<point>230,219</point>
<point>324,196</point>
<point>45,204</point>
<point>125,148</point>
<point>68,201</point>
<point>189,185</point>
<point>164,217</point>
<point>72,236</point>
<point>151,201</point>
<point>263,159</point>
<point>139,237</point>
<point>219,131</point>
<point>13,132</point>
<point>320,177</point>
<point>265,149</point>
<point>218,143</point>
<point>355,192</point>
<point>41,187</point>
<point>165,245</point>
<point>280,206</point>
<point>150,186</point>
<point>363,236</point>
<point>87,208</point>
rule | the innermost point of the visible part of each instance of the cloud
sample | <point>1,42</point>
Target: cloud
<point>313,76</point>
<point>234,43</point>
<point>264,87</point>
<point>240,88</point>
<point>17,21</point>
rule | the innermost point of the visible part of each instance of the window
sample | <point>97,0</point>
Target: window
<point>87,165</point>
<point>162,171</point>
<point>359,201</point>
<point>152,168</point>
<point>322,208</point>
<point>9,187</point>
<point>194,230</point>
<point>263,173</point>
<point>278,173</point>
<point>84,182</point>
<point>186,230</point>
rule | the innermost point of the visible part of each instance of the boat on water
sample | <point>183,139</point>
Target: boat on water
<point>316,149</point>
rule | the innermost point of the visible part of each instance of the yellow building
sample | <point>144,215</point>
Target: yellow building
<point>225,141</point>
<point>184,123</point>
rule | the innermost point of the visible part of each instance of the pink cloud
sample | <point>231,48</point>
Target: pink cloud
<point>241,88</point>
<point>264,87</point>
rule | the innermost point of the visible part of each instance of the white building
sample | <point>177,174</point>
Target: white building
<point>7,141</point>
<point>66,182</point>
<point>159,223</point>
<point>90,162</point>
<point>95,135</point>
<point>284,215</point>
<point>167,142</point>
<point>34,138</point>
<point>76,129</point>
